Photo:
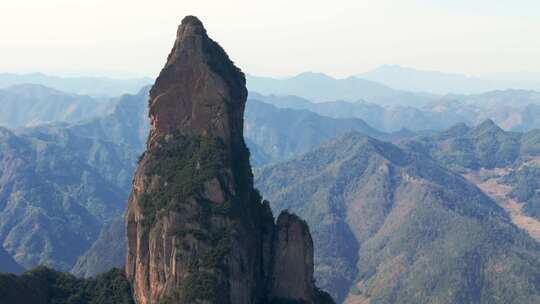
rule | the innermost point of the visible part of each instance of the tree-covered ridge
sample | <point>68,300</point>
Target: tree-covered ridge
<point>392,225</point>
<point>525,182</point>
<point>56,190</point>
<point>485,146</point>
<point>27,105</point>
<point>43,285</point>
<point>69,180</point>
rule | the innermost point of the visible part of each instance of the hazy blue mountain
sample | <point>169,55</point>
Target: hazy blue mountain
<point>62,183</point>
<point>385,118</point>
<point>510,98</point>
<point>108,250</point>
<point>390,225</point>
<point>8,264</point>
<point>483,146</point>
<point>514,110</point>
<point>320,87</point>
<point>283,133</point>
<point>94,86</point>
<point>257,157</point>
<point>56,191</point>
<point>410,79</point>
<point>127,123</point>
<point>29,104</point>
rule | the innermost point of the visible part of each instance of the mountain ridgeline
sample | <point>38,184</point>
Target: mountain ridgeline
<point>391,225</point>
<point>62,184</point>
<point>30,104</point>
<point>197,230</point>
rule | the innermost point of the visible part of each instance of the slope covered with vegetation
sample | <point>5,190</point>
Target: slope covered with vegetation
<point>391,225</point>
<point>46,286</point>
<point>61,184</point>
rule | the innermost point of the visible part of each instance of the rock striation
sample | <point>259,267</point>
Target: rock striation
<point>197,229</point>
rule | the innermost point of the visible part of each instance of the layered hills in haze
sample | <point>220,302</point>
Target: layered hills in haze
<point>61,184</point>
<point>320,87</point>
<point>403,78</point>
<point>515,110</point>
<point>93,86</point>
<point>410,79</point>
<point>30,104</point>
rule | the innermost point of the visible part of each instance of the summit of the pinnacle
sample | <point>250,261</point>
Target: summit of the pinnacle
<point>200,90</point>
<point>192,20</point>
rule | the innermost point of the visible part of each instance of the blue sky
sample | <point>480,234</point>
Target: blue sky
<point>279,37</point>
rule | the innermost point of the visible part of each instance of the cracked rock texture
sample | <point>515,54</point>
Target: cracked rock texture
<point>197,229</point>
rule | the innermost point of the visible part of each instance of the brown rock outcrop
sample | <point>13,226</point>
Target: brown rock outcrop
<point>198,232</point>
<point>292,265</point>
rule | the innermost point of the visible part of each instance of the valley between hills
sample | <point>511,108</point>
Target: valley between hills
<point>489,182</point>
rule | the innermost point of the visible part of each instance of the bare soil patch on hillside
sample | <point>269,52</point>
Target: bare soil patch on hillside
<point>488,182</point>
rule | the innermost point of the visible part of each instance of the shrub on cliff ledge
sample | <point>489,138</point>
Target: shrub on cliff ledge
<point>182,164</point>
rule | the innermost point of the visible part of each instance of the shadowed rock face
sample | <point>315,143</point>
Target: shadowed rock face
<point>293,259</point>
<point>198,232</point>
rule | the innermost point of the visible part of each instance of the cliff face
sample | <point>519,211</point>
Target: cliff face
<point>198,231</point>
<point>292,259</point>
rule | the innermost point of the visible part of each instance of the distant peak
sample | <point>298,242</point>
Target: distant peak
<point>313,75</point>
<point>486,126</point>
<point>460,126</point>
<point>487,123</point>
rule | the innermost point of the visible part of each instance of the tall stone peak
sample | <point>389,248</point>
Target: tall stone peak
<point>198,231</point>
<point>200,90</point>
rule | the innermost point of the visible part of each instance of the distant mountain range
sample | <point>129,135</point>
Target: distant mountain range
<point>31,104</point>
<point>61,183</point>
<point>410,79</point>
<point>282,133</point>
<point>93,86</point>
<point>320,88</point>
<point>513,109</point>
<point>387,84</point>
<point>403,78</point>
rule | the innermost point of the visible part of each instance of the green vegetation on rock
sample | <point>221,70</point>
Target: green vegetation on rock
<point>182,165</point>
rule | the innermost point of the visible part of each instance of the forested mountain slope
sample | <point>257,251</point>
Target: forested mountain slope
<point>391,225</point>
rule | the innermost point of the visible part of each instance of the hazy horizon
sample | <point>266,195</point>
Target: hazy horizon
<point>482,39</point>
